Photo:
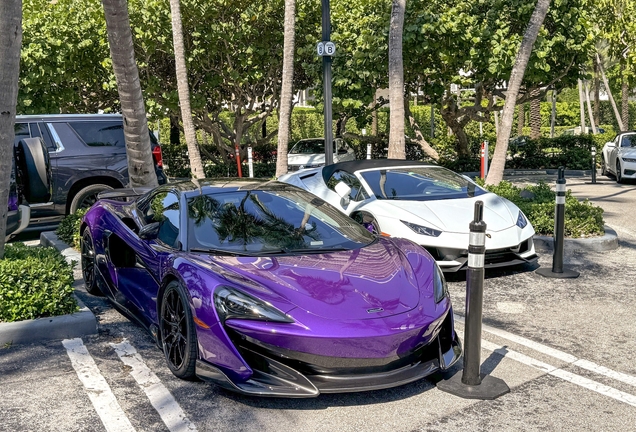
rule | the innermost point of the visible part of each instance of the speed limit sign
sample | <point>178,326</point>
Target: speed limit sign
<point>326,49</point>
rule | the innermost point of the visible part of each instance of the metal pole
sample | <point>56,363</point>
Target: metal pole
<point>326,79</point>
<point>250,163</point>
<point>559,233</point>
<point>593,164</point>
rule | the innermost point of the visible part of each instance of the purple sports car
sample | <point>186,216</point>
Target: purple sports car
<point>266,290</point>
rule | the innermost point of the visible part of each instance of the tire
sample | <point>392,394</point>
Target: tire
<point>178,336</point>
<point>89,271</point>
<point>619,172</point>
<point>87,196</point>
<point>603,168</point>
<point>34,167</point>
<point>368,222</point>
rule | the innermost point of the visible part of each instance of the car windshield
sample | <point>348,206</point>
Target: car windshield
<point>419,184</point>
<point>309,147</point>
<point>268,222</point>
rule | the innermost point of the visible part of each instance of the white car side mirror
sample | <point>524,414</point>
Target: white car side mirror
<point>610,144</point>
<point>344,192</point>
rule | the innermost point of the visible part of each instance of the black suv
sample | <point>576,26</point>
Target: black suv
<point>88,156</point>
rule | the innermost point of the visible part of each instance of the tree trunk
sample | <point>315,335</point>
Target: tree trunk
<point>458,131</point>
<point>10,44</point>
<point>287,88</point>
<point>419,137</point>
<point>396,82</point>
<point>597,94</point>
<point>609,94</point>
<point>141,169</point>
<point>495,175</point>
<point>582,106</point>
<point>175,132</point>
<point>521,119</point>
<point>196,166</point>
<point>624,97</point>
<point>589,108</point>
<point>535,115</point>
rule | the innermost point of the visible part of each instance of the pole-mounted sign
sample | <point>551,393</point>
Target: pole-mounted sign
<point>326,49</point>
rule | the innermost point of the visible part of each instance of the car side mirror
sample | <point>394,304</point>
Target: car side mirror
<point>610,144</point>
<point>344,192</point>
<point>150,231</point>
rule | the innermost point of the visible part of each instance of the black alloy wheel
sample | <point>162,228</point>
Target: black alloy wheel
<point>87,196</point>
<point>619,172</point>
<point>89,271</point>
<point>178,337</point>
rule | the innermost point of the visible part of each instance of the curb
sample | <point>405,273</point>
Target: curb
<point>595,244</point>
<point>78,324</point>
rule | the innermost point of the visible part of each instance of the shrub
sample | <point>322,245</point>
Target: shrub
<point>35,282</point>
<point>582,218</point>
<point>68,230</point>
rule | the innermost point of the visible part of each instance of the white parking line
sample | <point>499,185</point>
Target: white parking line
<point>552,352</point>
<point>160,397</point>
<point>99,392</point>
<point>560,373</point>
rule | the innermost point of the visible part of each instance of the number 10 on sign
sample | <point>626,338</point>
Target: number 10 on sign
<point>326,49</point>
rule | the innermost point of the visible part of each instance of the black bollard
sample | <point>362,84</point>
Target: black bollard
<point>472,384</point>
<point>593,164</point>
<point>559,233</point>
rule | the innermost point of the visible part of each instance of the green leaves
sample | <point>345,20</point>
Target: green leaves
<point>35,282</point>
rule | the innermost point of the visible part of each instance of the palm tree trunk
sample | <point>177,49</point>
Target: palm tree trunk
<point>609,94</point>
<point>597,94</point>
<point>582,106</point>
<point>10,44</point>
<point>624,97</point>
<point>589,108</point>
<point>287,87</point>
<point>535,115</point>
<point>396,82</point>
<point>495,175</point>
<point>140,164</point>
<point>521,119</point>
<point>196,166</point>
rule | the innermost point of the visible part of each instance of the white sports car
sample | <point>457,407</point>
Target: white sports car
<point>310,153</point>
<point>427,204</point>
<point>619,157</point>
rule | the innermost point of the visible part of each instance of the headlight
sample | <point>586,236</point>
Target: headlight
<point>521,220</point>
<point>629,159</point>
<point>423,230</point>
<point>439,284</point>
<point>232,303</point>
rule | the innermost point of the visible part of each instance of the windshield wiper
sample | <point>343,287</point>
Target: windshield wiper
<point>223,252</point>
<point>318,250</point>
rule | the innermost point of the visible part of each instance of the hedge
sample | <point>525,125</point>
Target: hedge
<point>35,282</point>
<point>68,230</point>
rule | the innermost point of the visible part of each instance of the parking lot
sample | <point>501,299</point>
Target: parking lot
<point>564,346</point>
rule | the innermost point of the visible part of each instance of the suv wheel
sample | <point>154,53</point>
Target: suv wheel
<point>87,196</point>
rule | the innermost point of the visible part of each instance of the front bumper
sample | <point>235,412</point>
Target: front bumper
<point>279,372</point>
<point>629,169</point>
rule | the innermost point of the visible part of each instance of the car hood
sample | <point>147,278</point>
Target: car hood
<point>372,282</point>
<point>629,152</point>
<point>455,215</point>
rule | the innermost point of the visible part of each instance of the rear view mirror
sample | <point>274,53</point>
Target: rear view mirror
<point>344,192</point>
<point>150,231</point>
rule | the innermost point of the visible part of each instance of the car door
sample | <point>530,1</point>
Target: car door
<point>138,267</point>
<point>614,152</point>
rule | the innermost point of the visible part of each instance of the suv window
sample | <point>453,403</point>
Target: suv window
<point>357,190</point>
<point>100,133</point>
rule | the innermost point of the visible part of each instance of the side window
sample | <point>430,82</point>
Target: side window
<point>163,207</point>
<point>21,131</point>
<point>628,140</point>
<point>100,133</point>
<point>44,134</point>
<point>357,191</point>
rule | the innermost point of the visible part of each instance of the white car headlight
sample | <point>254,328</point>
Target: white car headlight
<point>423,230</point>
<point>629,159</point>
<point>521,220</point>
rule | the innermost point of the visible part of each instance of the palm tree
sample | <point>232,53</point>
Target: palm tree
<point>396,82</point>
<point>535,114</point>
<point>609,93</point>
<point>287,87</point>
<point>495,175</point>
<point>184,92</point>
<point>10,44</point>
<point>140,165</point>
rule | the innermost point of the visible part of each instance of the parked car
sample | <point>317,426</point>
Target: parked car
<point>619,157</point>
<point>88,155</point>
<point>30,182</point>
<point>264,289</point>
<point>427,204</point>
<point>310,153</point>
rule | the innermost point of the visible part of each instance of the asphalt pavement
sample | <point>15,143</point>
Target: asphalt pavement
<point>564,346</point>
